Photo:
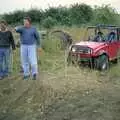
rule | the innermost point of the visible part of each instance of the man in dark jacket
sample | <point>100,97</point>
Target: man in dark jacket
<point>6,42</point>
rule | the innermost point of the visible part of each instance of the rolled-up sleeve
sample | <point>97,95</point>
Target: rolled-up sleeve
<point>19,29</point>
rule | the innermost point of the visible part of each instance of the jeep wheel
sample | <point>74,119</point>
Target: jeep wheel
<point>102,63</point>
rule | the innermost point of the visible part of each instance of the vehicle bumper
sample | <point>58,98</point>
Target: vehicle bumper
<point>81,58</point>
<point>85,59</point>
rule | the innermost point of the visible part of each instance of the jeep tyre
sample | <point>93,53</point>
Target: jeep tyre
<point>101,63</point>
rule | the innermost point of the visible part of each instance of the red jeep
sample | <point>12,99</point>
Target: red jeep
<point>100,46</point>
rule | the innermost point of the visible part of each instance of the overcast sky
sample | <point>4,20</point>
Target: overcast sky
<point>11,5</point>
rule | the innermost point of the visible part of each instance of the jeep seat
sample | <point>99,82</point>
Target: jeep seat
<point>111,36</point>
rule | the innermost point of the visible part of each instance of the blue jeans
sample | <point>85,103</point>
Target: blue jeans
<point>4,61</point>
<point>29,59</point>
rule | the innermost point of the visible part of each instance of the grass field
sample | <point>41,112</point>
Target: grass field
<point>61,93</point>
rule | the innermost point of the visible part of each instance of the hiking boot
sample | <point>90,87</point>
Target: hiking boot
<point>34,77</point>
<point>26,77</point>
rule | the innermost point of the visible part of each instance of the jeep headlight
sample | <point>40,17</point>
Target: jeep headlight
<point>73,49</point>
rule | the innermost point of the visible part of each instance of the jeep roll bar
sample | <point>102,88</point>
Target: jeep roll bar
<point>104,27</point>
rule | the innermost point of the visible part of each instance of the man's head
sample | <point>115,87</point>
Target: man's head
<point>3,25</point>
<point>100,33</point>
<point>27,22</point>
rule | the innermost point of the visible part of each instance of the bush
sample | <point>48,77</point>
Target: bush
<point>49,22</point>
<point>51,45</point>
<point>77,14</point>
<point>60,14</point>
<point>36,15</point>
<point>80,13</point>
<point>15,17</point>
<point>105,15</point>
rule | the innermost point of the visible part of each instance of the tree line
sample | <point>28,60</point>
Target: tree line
<point>76,14</point>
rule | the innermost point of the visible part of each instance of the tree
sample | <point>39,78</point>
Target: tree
<point>35,14</point>
<point>49,22</point>
<point>105,15</point>
<point>81,13</point>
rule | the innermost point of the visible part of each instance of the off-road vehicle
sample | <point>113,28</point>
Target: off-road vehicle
<point>100,45</point>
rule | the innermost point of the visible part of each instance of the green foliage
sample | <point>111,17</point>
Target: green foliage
<point>49,22</point>
<point>36,15</point>
<point>1,17</point>
<point>15,17</point>
<point>51,45</point>
<point>60,14</point>
<point>105,15</point>
<point>80,13</point>
<point>77,14</point>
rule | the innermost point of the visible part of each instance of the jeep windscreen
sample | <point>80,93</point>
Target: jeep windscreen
<point>100,35</point>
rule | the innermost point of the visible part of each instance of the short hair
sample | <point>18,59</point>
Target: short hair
<point>28,18</point>
<point>100,33</point>
<point>3,22</point>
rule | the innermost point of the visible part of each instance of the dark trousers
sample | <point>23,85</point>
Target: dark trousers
<point>4,61</point>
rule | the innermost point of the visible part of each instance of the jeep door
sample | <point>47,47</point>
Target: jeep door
<point>113,46</point>
<point>118,33</point>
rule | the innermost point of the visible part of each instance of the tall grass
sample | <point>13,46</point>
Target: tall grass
<point>52,58</point>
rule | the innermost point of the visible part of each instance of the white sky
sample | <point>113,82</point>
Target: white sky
<point>11,5</point>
